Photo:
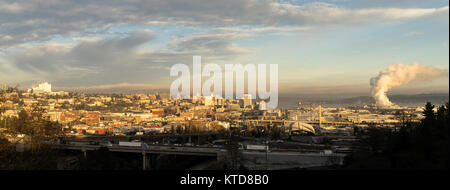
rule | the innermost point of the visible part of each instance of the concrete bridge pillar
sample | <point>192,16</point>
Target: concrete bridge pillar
<point>84,153</point>
<point>153,161</point>
<point>144,160</point>
<point>150,161</point>
<point>221,156</point>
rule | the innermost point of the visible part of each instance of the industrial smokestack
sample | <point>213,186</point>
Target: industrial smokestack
<point>397,75</point>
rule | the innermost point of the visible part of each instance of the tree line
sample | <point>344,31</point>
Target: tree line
<point>423,145</point>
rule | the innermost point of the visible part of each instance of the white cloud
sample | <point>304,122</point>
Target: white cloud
<point>31,21</point>
<point>117,59</point>
<point>413,34</point>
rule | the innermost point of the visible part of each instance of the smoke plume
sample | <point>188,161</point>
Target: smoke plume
<point>397,75</point>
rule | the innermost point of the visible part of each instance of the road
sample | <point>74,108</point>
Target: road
<point>151,149</point>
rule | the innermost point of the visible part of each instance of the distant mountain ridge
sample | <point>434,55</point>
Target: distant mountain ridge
<point>399,99</point>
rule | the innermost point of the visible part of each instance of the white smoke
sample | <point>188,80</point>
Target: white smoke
<point>397,75</point>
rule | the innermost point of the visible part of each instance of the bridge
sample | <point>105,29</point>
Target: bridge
<point>292,124</point>
<point>308,125</point>
<point>251,159</point>
<point>341,123</point>
<point>291,121</point>
<point>150,154</point>
<point>151,149</point>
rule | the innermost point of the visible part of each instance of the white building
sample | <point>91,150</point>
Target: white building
<point>262,105</point>
<point>42,88</point>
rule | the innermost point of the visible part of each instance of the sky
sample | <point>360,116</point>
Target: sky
<point>326,47</point>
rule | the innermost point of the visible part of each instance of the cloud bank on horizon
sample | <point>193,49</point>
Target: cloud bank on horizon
<point>105,43</point>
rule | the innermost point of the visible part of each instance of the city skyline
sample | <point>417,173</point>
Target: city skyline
<point>224,85</point>
<point>321,47</point>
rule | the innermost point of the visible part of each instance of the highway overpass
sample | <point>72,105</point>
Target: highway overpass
<point>251,159</point>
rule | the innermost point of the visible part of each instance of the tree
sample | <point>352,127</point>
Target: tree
<point>428,112</point>
<point>403,117</point>
<point>234,154</point>
<point>35,131</point>
<point>421,146</point>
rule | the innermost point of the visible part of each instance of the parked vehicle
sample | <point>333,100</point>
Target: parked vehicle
<point>140,133</point>
<point>257,147</point>
<point>343,150</point>
<point>219,142</point>
<point>131,144</point>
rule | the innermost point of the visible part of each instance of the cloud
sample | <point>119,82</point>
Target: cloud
<point>117,59</point>
<point>31,33</point>
<point>12,8</point>
<point>413,34</point>
<point>218,44</point>
<point>264,29</point>
<point>37,21</point>
<point>113,87</point>
<point>109,50</point>
<point>76,61</point>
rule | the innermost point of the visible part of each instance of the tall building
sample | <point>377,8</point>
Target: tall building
<point>209,100</point>
<point>219,100</point>
<point>262,105</point>
<point>247,100</point>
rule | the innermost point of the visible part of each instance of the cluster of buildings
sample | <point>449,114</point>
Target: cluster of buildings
<point>113,114</point>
